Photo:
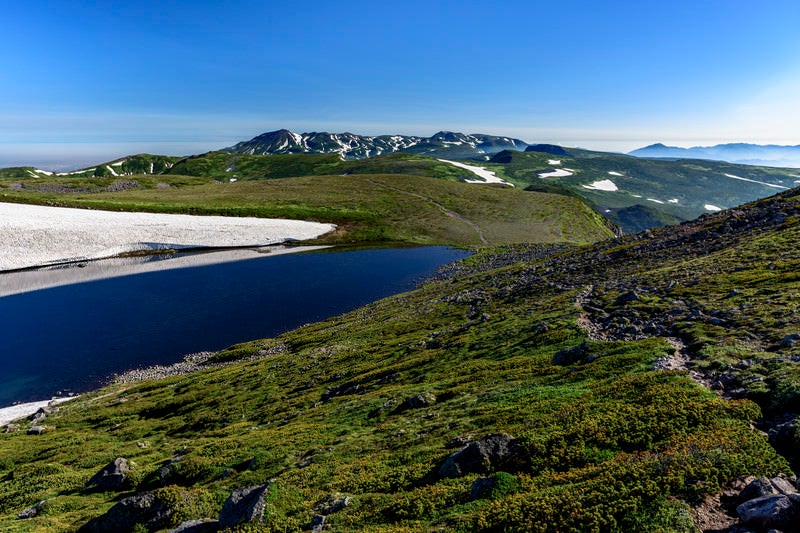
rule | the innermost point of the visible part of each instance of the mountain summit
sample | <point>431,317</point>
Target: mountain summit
<point>352,146</point>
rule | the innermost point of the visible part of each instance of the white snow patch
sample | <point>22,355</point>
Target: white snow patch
<point>612,173</point>
<point>636,195</point>
<point>553,161</point>
<point>32,235</point>
<point>654,200</point>
<point>118,163</point>
<point>602,185</point>
<point>113,172</point>
<point>487,175</point>
<point>45,172</point>
<point>732,176</point>
<point>673,201</point>
<point>710,207</point>
<point>557,173</point>
<point>76,172</point>
<point>21,410</point>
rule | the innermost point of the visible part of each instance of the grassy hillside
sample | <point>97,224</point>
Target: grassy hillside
<point>543,356</point>
<point>368,208</point>
<point>225,166</point>
<point>679,190</point>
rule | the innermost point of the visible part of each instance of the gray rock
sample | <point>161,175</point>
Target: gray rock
<point>478,457</point>
<point>38,417</point>
<point>783,486</point>
<point>630,296</point>
<point>568,356</point>
<point>144,509</point>
<point>318,523</point>
<point>419,400</point>
<point>481,487</point>
<point>37,430</point>
<point>110,477</point>
<point>758,488</point>
<point>206,525</point>
<point>774,511</point>
<point>8,428</point>
<point>332,504</point>
<point>790,341</point>
<point>244,505</point>
<point>30,512</point>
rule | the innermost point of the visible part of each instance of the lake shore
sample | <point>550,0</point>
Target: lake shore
<point>21,281</point>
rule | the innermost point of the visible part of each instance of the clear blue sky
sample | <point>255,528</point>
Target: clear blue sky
<point>617,75</point>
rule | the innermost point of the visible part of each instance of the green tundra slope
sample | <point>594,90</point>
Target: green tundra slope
<point>647,192</point>
<point>529,389</point>
<point>367,207</point>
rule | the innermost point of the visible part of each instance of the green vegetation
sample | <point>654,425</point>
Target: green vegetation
<point>602,441</point>
<point>651,192</point>
<point>367,207</point>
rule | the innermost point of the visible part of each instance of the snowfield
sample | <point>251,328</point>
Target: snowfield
<point>15,412</point>
<point>553,161</point>
<point>735,177</point>
<point>612,173</point>
<point>32,235</point>
<point>709,207</point>
<point>557,173</point>
<point>602,185</point>
<point>487,175</point>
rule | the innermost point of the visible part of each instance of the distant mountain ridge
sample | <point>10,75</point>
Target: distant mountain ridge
<point>353,146</point>
<point>771,155</point>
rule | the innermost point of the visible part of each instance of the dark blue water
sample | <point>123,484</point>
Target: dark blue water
<point>75,336</point>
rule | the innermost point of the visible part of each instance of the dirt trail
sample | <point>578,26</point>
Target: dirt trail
<point>443,209</point>
<point>680,359</point>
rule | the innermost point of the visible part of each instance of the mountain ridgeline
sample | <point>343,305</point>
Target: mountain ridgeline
<point>744,153</point>
<point>352,146</point>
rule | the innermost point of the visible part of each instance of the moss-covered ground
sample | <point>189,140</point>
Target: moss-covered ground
<point>603,442</point>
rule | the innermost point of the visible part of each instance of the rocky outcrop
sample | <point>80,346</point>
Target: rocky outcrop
<point>479,457</point>
<point>111,477</point>
<point>144,509</point>
<point>244,505</point>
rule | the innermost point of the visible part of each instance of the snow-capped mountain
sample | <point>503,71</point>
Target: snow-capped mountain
<point>352,146</point>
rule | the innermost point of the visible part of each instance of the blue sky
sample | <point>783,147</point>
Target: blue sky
<point>81,79</point>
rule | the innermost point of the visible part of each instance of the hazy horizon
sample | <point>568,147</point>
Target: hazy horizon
<point>605,76</point>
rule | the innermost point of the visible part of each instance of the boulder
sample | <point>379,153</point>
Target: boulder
<point>790,341</point>
<point>110,477</point>
<point>318,523</point>
<point>758,488</point>
<point>481,488</point>
<point>479,457</point>
<point>197,526</point>
<point>332,504</point>
<point>144,509</point>
<point>30,512</point>
<point>37,430</point>
<point>568,356</point>
<point>244,505</point>
<point>419,400</point>
<point>773,511</point>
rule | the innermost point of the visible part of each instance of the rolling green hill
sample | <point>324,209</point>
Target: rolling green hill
<point>530,388</point>
<point>367,207</point>
<point>678,190</point>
